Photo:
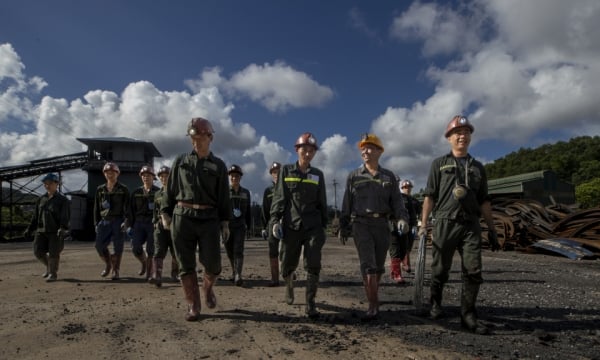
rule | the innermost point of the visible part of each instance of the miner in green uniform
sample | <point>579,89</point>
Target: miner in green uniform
<point>49,226</point>
<point>112,212</point>
<point>457,194</point>
<point>371,200</point>
<point>241,220</point>
<point>162,236</point>
<point>299,218</point>
<point>265,215</point>
<point>196,207</point>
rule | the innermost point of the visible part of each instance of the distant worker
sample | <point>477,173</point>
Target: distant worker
<point>241,221</point>
<point>457,194</point>
<point>371,200</point>
<point>414,207</point>
<point>401,244</point>
<point>265,217</point>
<point>299,218</point>
<point>49,226</point>
<point>142,212</point>
<point>111,216</point>
<point>197,202</point>
<point>162,236</point>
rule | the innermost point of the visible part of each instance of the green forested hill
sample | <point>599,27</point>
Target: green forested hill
<point>576,161</point>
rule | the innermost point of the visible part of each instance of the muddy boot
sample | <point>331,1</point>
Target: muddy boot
<point>207,288</point>
<point>289,289</point>
<point>395,271</point>
<point>116,266</point>
<point>274,262</point>
<point>174,269</point>
<point>468,314</point>
<point>406,262</point>
<point>239,264</point>
<point>142,259</point>
<point>157,266</point>
<point>436,311</point>
<point>53,266</point>
<point>371,284</point>
<point>189,283</point>
<point>149,265</point>
<point>312,283</point>
<point>44,260</point>
<point>107,261</point>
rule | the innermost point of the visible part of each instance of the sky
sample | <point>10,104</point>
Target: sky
<point>525,73</point>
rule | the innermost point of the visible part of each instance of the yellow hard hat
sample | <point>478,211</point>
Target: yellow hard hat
<point>370,139</point>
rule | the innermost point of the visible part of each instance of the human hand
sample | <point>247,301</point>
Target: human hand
<point>422,231</point>
<point>402,226</point>
<point>278,231</point>
<point>264,233</point>
<point>62,233</point>
<point>165,219</point>
<point>129,232</point>
<point>224,231</point>
<point>493,239</point>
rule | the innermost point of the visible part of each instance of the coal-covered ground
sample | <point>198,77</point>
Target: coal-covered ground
<point>537,306</point>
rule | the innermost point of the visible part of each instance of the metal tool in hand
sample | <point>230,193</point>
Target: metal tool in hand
<point>420,273</point>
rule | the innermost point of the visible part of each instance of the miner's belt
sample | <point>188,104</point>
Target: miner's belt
<point>194,206</point>
<point>375,215</point>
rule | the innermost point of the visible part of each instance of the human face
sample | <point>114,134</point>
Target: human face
<point>406,189</point>
<point>370,153</point>
<point>274,175</point>
<point>111,175</point>
<point>164,177</point>
<point>459,140</point>
<point>50,186</point>
<point>201,142</point>
<point>305,154</point>
<point>234,179</point>
<point>147,179</point>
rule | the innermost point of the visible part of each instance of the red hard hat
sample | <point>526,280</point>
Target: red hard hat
<point>307,139</point>
<point>200,126</point>
<point>406,183</point>
<point>457,122</point>
<point>110,166</point>
<point>163,169</point>
<point>235,169</point>
<point>147,169</point>
<point>275,166</point>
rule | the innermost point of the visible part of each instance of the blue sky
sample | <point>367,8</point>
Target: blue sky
<point>525,73</point>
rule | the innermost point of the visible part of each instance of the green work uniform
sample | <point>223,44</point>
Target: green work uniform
<point>51,214</point>
<point>370,202</point>
<point>300,201</point>
<point>162,236</point>
<point>265,215</point>
<point>241,220</point>
<point>456,221</point>
<point>197,181</point>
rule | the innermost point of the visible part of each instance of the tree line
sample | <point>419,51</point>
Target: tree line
<point>576,161</point>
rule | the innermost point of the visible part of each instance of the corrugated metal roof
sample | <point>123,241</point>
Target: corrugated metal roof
<point>103,140</point>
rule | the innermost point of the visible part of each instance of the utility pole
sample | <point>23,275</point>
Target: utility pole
<point>335,184</point>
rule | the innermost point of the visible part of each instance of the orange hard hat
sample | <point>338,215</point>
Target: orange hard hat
<point>370,139</point>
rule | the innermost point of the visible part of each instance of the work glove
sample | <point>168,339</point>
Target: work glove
<point>493,239</point>
<point>165,219</point>
<point>264,233</point>
<point>402,226</point>
<point>62,233</point>
<point>224,231</point>
<point>129,232</point>
<point>278,230</point>
<point>422,231</point>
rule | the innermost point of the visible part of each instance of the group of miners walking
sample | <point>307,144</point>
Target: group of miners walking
<point>201,204</point>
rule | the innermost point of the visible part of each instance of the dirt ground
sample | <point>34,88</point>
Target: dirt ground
<point>538,307</point>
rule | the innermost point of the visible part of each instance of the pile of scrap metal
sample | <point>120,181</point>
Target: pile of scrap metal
<point>527,225</point>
